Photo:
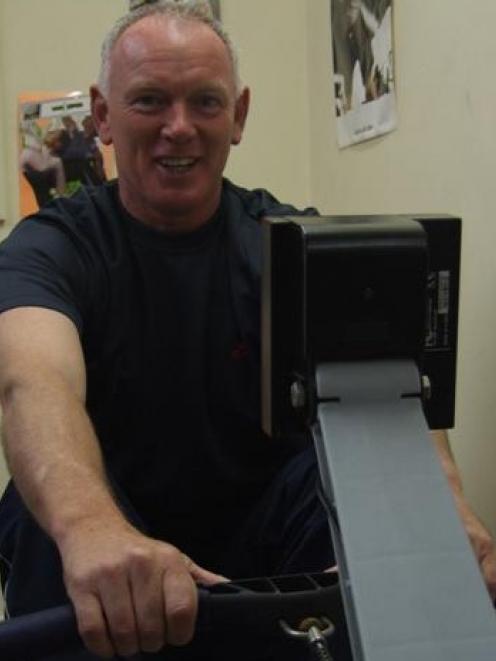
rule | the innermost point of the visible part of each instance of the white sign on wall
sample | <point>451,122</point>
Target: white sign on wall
<point>363,69</point>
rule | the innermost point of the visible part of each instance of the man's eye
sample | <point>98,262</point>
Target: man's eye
<point>209,102</point>
<point>148,101</point>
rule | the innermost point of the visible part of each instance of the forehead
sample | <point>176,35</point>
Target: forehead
<point>165,43</point>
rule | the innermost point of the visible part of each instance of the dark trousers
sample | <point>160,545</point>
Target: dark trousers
<point>286,533</point>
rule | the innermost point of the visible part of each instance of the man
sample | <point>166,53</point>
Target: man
<point>129,361</point>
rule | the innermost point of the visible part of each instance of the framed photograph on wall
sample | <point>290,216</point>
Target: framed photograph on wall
<point>215,4</point>
<point>363,69</point>
<point>59,150</point>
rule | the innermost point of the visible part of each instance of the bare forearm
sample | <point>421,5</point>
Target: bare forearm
<point>53,456</point>
<point>50,446</point>
<point>128,591</point>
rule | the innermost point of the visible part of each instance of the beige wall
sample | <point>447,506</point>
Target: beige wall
<point>3,197</point>
<point>272,40</point>
<point>441,158</point>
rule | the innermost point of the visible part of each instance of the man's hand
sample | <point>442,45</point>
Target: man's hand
<point>130,593</point>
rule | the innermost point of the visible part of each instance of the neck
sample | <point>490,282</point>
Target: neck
<point>171,220</point>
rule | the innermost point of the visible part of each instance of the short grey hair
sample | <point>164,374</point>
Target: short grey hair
<point>195,10</point>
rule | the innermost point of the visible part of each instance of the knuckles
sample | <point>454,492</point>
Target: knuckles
<point>90,632</point>
<point>150,642</point>
<point>95,639</point>
<point>181,610</point>
<point>143,562</point>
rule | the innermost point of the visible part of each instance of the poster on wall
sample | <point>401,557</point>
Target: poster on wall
<point>363,69</point>
<point>59,150</point>
<point>215,5</point>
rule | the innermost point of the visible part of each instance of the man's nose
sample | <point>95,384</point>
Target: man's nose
<point>177,123</point>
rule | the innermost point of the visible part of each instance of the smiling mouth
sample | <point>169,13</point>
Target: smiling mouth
<point>177,165</point>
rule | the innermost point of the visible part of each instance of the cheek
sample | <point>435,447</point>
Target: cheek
<point>134,148</point>
<point>220,142</point>
<point>132,133</point>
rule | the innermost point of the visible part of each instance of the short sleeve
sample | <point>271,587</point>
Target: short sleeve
<point>42,265</point>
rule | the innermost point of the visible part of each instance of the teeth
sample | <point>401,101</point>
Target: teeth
<point>177,162</point>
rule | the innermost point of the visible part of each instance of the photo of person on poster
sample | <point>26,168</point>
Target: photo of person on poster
<point>59,150</point>
<point>42,169</point>
<point>363,67</point>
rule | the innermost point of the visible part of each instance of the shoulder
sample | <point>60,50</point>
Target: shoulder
<point>86,221</point>
<point>60,257</point>
<point>257,203</point>
<point>95,203</point>
<point>70,238</point>
<point>243,210</point>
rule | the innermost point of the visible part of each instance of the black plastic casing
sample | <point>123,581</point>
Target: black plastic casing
<point>343,288</point>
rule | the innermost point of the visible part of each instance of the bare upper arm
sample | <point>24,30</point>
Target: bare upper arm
<point>37,344</point>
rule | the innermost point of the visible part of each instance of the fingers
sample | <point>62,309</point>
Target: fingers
<point>181,606</point>
<point>106,620</point>
<point>140,601</point>
<point>201,575</point>
<point>117,605</point>
<point>149,605</point>
<point>92,626</point>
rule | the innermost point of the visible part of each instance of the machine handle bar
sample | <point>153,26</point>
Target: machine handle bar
<point>256,605</point>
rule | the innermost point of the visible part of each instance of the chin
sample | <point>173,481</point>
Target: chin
<point>188,202</point>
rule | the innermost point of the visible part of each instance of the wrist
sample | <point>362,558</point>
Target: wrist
<point>85,517</point>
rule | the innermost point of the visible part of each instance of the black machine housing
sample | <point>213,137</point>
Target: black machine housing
<point>344,288</point>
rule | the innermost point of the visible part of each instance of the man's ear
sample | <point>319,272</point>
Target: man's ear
<point>240,115</point>
<point>100,115</point>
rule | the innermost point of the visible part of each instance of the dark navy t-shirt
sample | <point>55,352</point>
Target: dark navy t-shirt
<point>173,391</point>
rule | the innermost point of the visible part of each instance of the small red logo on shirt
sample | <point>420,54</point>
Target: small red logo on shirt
<point>240,351</point>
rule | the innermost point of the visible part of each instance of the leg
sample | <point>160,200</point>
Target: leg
<point>30,564</point>
<point>287,532</point>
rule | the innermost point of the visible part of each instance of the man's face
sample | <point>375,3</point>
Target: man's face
<point>172,114</point>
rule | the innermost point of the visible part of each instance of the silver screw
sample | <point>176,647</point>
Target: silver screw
<point>298,395</point>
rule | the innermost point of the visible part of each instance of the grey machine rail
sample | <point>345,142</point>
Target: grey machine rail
<point>412,587</point>
<point>410,582</point>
